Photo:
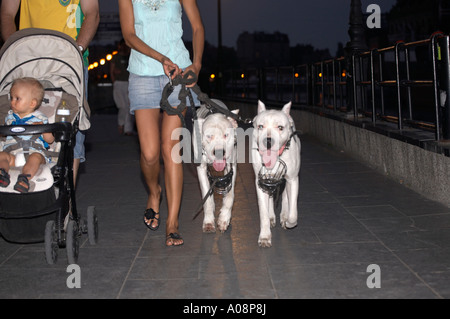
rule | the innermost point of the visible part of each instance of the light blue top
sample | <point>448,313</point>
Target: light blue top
<point>158,23</point>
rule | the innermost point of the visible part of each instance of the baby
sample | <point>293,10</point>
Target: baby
<point>26,96</point>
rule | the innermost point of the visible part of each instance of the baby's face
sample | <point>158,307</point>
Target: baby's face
<point>22,101</point>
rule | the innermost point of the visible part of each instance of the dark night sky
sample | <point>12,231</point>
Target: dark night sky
<point>321,23</point>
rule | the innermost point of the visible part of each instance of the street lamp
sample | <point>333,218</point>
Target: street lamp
<point>356,29</point>
<point>219,48</point>
<point>219,24</point>
<point>356,44</point>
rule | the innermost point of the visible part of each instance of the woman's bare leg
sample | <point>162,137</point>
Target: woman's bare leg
<point>148,123</point>
<point>173,175</point>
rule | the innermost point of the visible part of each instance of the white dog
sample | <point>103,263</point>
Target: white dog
<point>218,165</point>
<point>275,154</point>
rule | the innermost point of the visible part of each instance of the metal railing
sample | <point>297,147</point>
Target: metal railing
<point>406,84</point>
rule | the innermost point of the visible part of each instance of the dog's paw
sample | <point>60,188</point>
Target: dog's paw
<point>223,225</point>
<point>286,224</point>
<point>265,242</point>
<point>209,228</point>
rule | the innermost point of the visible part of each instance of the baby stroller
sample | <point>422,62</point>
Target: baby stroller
<point>41,214</point>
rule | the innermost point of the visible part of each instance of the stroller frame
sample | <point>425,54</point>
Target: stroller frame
<point>54,214</point>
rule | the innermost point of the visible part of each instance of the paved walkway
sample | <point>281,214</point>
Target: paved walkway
<point>350,217</point>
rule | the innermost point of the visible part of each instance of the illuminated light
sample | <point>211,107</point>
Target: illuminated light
<point>242,75</point>
<point>95,64</point>
<point>296,75</point>
<point>320,74</point>
<point>105,76</point>
<point>102,62</point>
<point>344,73</point>
<point>109,57</point>
<point>213,76</point>
<point>114,52</point>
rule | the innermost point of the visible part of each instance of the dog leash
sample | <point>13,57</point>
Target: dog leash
<point>189,78</point>
<point>200,207</point>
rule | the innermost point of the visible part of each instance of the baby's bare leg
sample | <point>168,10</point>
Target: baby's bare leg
<point>32,165</point>
<point>6,161</point>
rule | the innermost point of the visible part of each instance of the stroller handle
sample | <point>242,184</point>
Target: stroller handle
<point>63,130</point>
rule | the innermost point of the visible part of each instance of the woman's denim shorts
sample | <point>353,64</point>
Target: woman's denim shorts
<point>145,92</point>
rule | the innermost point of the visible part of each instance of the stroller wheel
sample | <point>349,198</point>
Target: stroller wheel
<point>72,243</point>
<point>51,245</point>
<point>92,225</point>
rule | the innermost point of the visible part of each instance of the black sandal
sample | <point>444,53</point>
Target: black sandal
<point>22,184</point>
<point>150,216</point>
<point>173,236</point>
<point>4,178</point>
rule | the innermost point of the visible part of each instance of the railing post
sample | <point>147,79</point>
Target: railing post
<point>333,63</point>
<point>445,86</point>
<point>309,85</point>
<point>372,85</point>
<point>398,85</point>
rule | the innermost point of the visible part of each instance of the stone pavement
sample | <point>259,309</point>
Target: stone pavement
<point>350,217</point>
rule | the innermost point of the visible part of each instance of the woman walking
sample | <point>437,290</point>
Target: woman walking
<point>153,30</point>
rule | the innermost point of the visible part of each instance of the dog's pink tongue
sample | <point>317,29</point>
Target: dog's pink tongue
<point>269,158</point>
<point>219,165</point>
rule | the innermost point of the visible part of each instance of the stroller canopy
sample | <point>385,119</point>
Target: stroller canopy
<point>49,56</point>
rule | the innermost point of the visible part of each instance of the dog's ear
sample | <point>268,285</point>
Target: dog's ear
<point>232,120</point>
<point>287,108</point>
<point>261,107</point>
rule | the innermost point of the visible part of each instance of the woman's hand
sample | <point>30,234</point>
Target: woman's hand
<point>169,66</point>
<point>194,68</point>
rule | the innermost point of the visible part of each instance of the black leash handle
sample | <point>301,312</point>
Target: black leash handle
<point>189,78</point>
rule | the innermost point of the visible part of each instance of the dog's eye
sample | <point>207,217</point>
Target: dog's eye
<point>226,135</point>
<point>281,127</point>
<point>260,127</point>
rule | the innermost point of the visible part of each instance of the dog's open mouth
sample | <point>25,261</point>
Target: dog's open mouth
<point>269,158</point>
<point>219,164</point>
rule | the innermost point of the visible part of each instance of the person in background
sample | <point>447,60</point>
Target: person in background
<point>119,78</point>
<point>76,18</point>
<point>153,30</point>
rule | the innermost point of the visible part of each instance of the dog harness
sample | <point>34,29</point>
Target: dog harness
<point>220,184</point>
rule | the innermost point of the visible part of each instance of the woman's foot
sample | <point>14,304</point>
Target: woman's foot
<point>151,219</point>
<point>174,239</point>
